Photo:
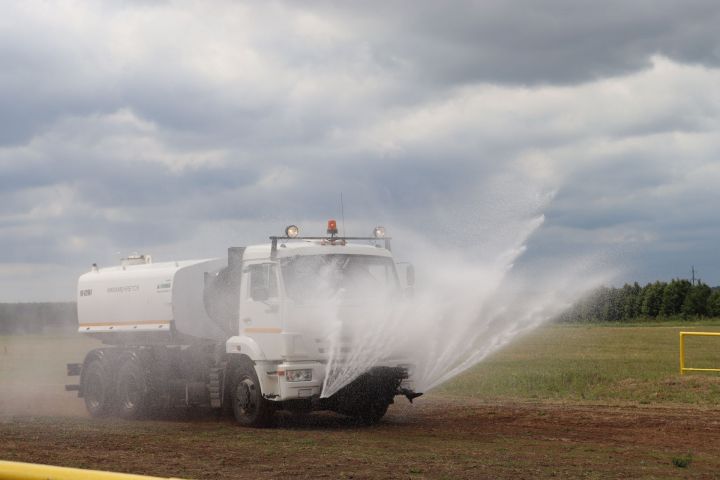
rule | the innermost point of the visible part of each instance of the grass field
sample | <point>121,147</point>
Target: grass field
<point>564,401</point>
<point>600,364</point>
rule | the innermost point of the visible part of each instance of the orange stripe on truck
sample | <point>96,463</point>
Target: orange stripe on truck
<point>263,330</point>
<point>125,324</point>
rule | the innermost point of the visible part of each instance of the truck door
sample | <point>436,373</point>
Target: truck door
<point>259,299</point>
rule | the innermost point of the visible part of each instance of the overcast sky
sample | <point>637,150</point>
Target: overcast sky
<point>181,128</point>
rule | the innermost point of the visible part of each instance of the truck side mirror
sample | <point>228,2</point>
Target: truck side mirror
<point>410,276</point>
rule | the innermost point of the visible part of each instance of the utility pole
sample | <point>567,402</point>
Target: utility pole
<point>693,274</point>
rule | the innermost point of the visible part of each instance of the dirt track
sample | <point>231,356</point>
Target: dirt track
<point>436,438</point>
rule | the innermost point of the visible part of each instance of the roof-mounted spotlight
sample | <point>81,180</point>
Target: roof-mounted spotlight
<point>379,232</point>
<point>292,231</point>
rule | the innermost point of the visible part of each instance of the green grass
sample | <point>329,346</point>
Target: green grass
<point>675,321</point>
<point>682,461</point>
<point>634,363</point>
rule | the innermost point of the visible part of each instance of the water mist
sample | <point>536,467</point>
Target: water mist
<point>470,302</point>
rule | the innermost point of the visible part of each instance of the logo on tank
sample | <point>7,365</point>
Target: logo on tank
<point>124,289</point>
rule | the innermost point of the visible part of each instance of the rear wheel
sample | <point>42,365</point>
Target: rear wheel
<point>249,406</point>
<point>97,388</point>
<point>132,390</point>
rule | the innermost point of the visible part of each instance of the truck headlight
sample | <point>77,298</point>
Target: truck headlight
<point>303,375</point>
<point>292,231</point>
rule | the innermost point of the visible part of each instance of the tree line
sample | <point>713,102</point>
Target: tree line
<point>679,298</point>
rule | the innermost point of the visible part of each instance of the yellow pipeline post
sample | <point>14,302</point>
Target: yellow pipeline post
<point>32,471</point>
<point>683,368</point>
<point>682,353</point>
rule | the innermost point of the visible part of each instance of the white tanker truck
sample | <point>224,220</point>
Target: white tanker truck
<point>241,334</point>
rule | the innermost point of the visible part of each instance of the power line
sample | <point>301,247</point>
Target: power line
<point>342,214</point>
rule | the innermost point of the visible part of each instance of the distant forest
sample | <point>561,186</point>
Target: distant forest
<point>679,298</point>
<point>46,317</point>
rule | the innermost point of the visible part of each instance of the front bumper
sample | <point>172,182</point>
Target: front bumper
<point>298,390</point>
<point>381,382</point>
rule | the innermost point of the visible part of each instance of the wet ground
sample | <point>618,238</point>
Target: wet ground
<point>437,437</point>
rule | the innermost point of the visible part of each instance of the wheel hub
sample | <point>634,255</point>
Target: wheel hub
<point>246,395</point>
<point>132,393</point>
<point>93,390</point>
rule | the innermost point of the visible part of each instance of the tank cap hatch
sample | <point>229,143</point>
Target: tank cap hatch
<point>136,259</point>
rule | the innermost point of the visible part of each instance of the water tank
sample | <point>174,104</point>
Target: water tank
<point>165,299</point>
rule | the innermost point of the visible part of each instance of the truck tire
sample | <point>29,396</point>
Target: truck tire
<point>373,413</point>
<point>97,388</point>
<point>249,406</point>
<point>132,390</point>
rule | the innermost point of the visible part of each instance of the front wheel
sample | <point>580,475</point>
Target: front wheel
<point>249,406</point>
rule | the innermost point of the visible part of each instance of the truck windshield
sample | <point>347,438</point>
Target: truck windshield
<point>318,277</point>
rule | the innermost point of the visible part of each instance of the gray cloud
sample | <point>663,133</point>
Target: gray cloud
<point>179,128</point>
<point>60,63</point>
<point>534,42</point>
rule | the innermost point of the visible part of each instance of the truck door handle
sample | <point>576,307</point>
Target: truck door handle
<point>272,309</point>
<point>247,320</point>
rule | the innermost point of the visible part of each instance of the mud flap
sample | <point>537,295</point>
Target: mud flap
<point>74,370</point>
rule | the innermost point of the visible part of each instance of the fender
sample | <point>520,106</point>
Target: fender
<point>246,346</point>
<point>96,354</point>
<point>243,349</point>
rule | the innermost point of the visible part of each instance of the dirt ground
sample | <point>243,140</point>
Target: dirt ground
<point>437,437</point>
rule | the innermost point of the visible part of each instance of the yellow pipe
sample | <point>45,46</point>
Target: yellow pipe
<point>702,334</point>
<point>32,471</point>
